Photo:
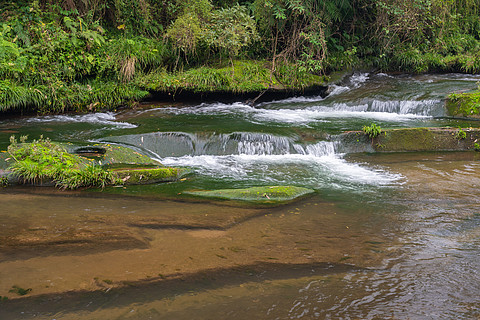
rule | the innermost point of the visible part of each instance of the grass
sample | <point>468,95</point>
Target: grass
<point>44,161</point>
<point>61,97</point>
<point>241,77</point>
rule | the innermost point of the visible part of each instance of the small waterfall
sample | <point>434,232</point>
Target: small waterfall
<point>422,108</point>
<point>177,144</point>
<point>401,107</point>
<point>262,144</point>
<point>321,149</point>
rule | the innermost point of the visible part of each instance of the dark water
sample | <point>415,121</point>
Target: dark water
<point>386,236</point>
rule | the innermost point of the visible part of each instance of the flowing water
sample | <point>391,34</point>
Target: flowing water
<point>385,236</point>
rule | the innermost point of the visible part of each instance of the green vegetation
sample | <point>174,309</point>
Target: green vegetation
<point>20,291</point>
<point>372,131</point>
<point>44,161</point>
<point>266,195</point>
<point>146,175</point>
<point>464,104</point>
<point>84,55</point>
<point>3,181</point>
<point>421,139</point>
<point>460,134</point>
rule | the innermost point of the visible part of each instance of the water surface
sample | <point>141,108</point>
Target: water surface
<point>385,236</point>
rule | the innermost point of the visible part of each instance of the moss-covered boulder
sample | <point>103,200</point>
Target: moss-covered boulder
<point>466,105</point>
<point>257,195</point>
<point>414,140</point>
<point>147,175</point>
<point>47,163</point>
<point>108,155</point>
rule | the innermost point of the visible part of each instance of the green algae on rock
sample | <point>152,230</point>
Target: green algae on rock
<point>141,175</point>
<point>260,195</point>
<point>47,163</point>
<point>115,155</point>
<point>465,104</point>
<point>414,140</point>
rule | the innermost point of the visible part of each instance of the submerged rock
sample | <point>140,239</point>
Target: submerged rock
<point>141,175</point>
<point>259,195</point>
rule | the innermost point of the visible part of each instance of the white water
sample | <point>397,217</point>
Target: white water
<point>106,118</point>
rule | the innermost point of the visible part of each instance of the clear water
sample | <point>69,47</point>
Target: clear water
<point>392,236</point>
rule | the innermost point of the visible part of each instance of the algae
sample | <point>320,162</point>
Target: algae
<point>146,175</point>
<point>123,155</point>
<point>465,104</point>
<point>262,195</point>
<point>415,139</point>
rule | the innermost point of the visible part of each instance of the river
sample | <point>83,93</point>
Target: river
<point>385,236</point>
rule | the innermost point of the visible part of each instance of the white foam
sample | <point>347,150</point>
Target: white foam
<point>107,118</point>
<point>334,90</point>
<point>305,169</point>
<point>379,110</point>
<point>358,78</point>
<point>324,114</point>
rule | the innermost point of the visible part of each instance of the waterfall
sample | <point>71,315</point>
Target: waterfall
<point>177,144</point>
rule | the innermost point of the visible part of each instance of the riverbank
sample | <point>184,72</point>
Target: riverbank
<point>58,57</point>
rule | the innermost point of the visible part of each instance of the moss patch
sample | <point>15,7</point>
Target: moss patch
<point>414,139</point>
<point>464,104</point>
<point>115,155</point>
<point>262,195</point>
<point>47,163</point>
<point>146,175</point>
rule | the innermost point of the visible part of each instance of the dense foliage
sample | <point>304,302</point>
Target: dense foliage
<point>96,54</point>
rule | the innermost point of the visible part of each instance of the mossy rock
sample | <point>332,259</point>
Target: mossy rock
<point>414,140</point>
<point>147,175</point>
<point>259,195</point>
<point>112,155</point>
<point>466,105</point>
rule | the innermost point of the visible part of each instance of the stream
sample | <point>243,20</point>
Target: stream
<point>385,236</point>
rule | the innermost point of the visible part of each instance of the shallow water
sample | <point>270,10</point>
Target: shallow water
<point>386,236</point>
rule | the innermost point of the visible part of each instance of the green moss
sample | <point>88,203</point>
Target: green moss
<point>45,162</point>
<point>464,104</point>
<point>426,139</point>
<point>115,155</point>
<point>262,195</point>
<point>146,175</point>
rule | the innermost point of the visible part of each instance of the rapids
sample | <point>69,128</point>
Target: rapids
<point>386,236</point>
